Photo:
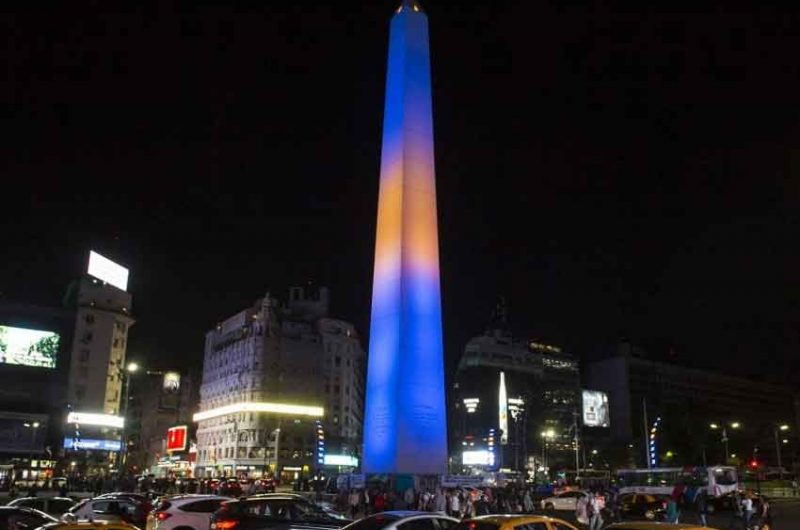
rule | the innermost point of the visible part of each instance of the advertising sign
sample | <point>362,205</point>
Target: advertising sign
<point>28,347</point>
<point>172,382</point>
<point>477,458</point>
<point>595,409</point>
<point>341,460</point>
<point>84,444</point>
<point>502,400</point>
<point>177,438</point>
<point>104,269</point>
<point>98,420</point>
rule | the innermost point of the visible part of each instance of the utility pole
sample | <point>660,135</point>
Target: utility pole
<point>644,431</point>
<point>576,438</point>
<point>778,452</point>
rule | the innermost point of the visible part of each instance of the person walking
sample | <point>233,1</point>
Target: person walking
<point>673,514</point>
<point>764,515</point>
<point>440,502</point>
<point>596,517</point>
<point>747,510</point>
<point>354,501</point>
<point>702,507</point>
<point>527,502</point>
<point>455,506</point>
<point>582,510</point>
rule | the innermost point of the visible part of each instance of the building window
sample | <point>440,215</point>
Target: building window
<point>338,361</point>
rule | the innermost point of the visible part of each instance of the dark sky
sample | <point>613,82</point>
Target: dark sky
<point>613,173</point>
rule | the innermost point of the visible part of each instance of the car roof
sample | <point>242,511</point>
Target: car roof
<point>84,525</point>
<point>402,514</point>
<point>504,518</point>
<point>179,499</point>
<point>24,509</point>
<point>646,525</point>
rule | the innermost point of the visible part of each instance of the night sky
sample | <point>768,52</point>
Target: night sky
<point>612,173</point>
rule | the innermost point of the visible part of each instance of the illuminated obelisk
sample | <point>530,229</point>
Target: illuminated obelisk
<point>405,423</point>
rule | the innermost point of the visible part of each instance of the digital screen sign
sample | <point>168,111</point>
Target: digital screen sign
<point>477,458</point>
<point>595,409</point>
<point>28,347</point>
<point>99,420</point>
<point>104,269</point>
<point>84,444</point>
<point>171,382</point>
<point>176,438</point>
<point>341,460</point>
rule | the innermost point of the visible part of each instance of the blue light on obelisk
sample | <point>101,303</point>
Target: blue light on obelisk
<point>405,423</point>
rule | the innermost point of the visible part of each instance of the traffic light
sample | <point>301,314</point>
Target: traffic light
<point>754,463</point>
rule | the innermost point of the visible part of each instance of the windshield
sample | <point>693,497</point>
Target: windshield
<point>725,476</point>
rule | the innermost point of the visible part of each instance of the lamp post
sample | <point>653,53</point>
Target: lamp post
<point>733,425</point>
<point>549,434</point>
<point>782,428</point>
<point>129,370</point>
<point>32,426</point>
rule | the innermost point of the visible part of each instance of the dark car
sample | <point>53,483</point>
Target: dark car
<point>19,518</point>
<point>55,506</point>
<point>643,505</point>
<point>273,511</point>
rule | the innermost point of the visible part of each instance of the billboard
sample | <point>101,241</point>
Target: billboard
<point>84,444</point>
<point>171,383</point>
<point>99,420</point>
<point>104,269</point>
<point>176,438</point>
<point>28,347</point>
<point>595,409</point>
<point>341,460</point>
<point>502,400</point>
<point>477,458</point>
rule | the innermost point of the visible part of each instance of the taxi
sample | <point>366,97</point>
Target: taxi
<point>88,525</point>
<point>647,525</point>
<point>514,522</point>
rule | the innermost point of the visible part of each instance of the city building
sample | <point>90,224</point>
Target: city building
<point>701,414</point>
<point>405,419</point>
<point>97,375</point>
<point>161,400</point>
<point>100,340</point>
<point>280,383</point>
<point>34,363</point>
<point>514,404</point>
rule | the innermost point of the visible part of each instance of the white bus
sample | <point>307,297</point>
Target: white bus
<point>715,480</point>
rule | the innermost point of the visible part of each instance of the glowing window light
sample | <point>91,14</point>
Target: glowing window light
<point>275,408</point>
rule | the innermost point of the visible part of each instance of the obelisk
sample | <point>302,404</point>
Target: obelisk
<point>405,428</point>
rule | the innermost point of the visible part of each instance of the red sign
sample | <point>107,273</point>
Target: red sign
<point>176,438</point>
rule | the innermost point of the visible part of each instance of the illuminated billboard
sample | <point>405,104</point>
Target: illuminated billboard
<point>341,460</point>
<point>104,269</point>
<point>176,438</point>
<point>477,458</point>
<point>28,347</point>
<point>172,382</point>
<point>502,400</point>
<point>595,409</point>
<point>99,420</point>
<point>84,444</point>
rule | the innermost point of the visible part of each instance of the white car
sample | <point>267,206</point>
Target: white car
<point>55,506</point>
<point>404,520</point>
<point>110,509</point>
<point>185,512</point>
<point>567,500</point>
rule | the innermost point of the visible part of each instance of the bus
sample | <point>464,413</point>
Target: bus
<point>714,480</point>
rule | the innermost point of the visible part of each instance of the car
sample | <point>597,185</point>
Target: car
<point>514,522</point>
<point>651,507</point>
<point>55,506</point>
<point>184,512</point>
<point>404,520</point>
<point>108,508</point>
<point>567,500</point>
<point>88,525</point>
<point>275,511</point>
<point>21,518</point>
<point>649,525</point>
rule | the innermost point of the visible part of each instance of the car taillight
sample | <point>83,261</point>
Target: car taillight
<point>229,524</point>
<point>163,516</point>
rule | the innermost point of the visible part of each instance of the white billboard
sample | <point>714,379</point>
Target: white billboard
<point>99,420</point>
<point>104,269</point>
<point>595,409</point>
<point>477,458</point>
<point>28,347</point>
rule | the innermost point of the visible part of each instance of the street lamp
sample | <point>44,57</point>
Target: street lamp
<point>32,426</point>
<point>131,368</point>
<point>783,428</point>
<point>733,425</point>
